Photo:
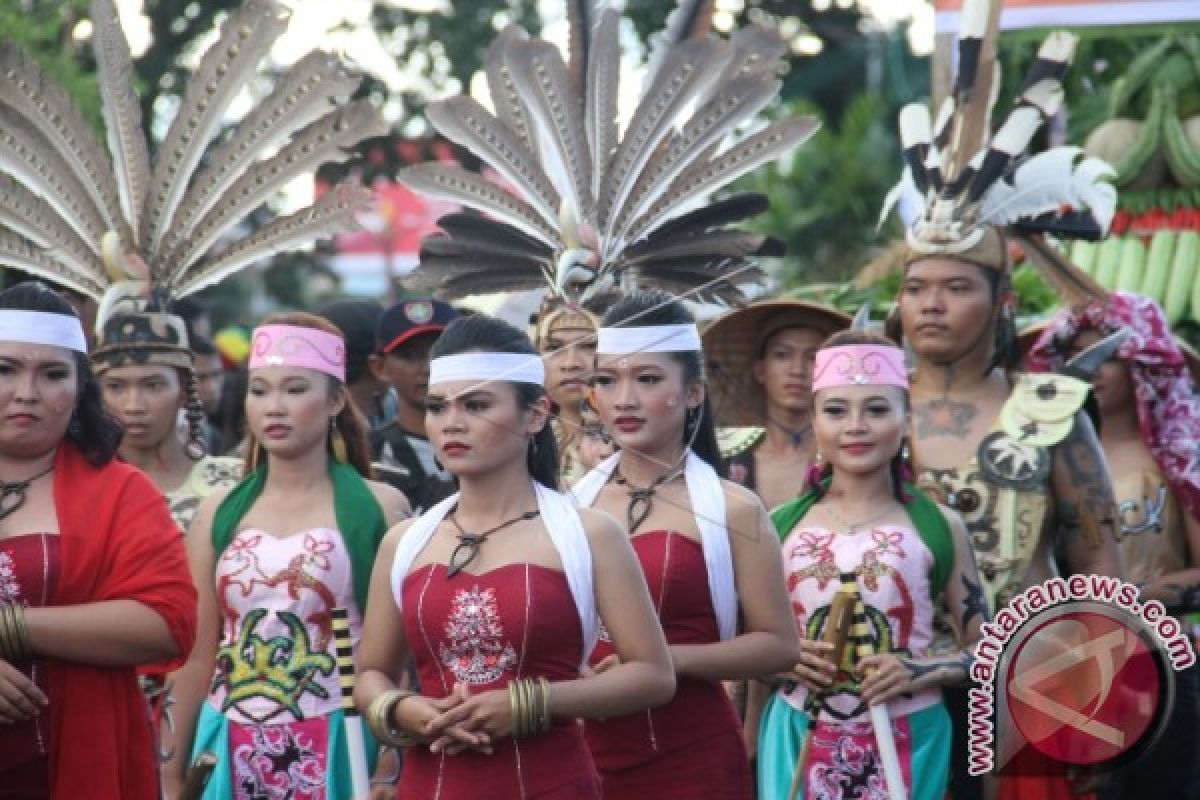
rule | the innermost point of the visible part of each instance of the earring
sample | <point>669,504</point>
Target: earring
<point>816,471</point>
<point>337,441</point>
<point>533,446</point>
<point>75,427</point>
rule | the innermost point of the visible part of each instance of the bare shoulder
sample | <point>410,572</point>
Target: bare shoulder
<point>741,504</point>
<point>600,526</point>
<point>395,534</point>
<point>953,519</point>
<point>393,502</point>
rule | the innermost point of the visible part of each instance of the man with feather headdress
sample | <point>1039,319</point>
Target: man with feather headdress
<point>1014,454</point>
<point>136,234</point>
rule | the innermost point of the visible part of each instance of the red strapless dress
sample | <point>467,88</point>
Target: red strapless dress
<point>486,630</point>
<point>28,575</point>
<point>692,747</point>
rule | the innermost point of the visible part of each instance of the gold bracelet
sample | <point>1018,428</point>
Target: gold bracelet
<point>14,633</point>
<point>545,720</point>
<point>379,719</point>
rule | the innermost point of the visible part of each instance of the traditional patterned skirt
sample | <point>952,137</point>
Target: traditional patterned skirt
<point>843,759</point>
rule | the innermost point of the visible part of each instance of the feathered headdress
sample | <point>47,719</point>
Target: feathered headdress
<point>965,181</point>
<point>581,207</point>
<point>119,228</point>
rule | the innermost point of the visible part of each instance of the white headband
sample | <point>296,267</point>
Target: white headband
<point>480,367</point>
<point>650,339</point>
<point>42,327</point>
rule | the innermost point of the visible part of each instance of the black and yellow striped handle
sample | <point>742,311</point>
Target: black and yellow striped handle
<point>344,647</point>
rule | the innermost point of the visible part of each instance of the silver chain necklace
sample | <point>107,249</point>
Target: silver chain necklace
<point>852,527</point>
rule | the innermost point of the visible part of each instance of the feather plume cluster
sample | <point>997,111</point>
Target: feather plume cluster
<point>962,178</point>
<point>584,207</point>
<point>119,226</point>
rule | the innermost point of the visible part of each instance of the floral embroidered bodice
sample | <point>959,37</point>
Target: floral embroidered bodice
<point>276,660</point>
<point>890,566</point>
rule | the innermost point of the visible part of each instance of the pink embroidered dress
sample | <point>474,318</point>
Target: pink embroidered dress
<point>890,567</point>
<point>274,705</point>
<point>487,630</point>
<point>28,576</point>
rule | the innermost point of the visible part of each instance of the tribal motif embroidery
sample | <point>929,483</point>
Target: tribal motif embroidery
<point>477,653</point>
<point>281,669</point>
<point>271,761</point>
<point>845,765</point>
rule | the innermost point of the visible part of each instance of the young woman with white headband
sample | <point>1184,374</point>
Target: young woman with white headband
<point>707,550</point>
<point>275,560</point>
<point>499,591</point>
<point>93,574</point>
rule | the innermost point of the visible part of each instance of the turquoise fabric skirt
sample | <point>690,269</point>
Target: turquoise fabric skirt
<point>213,733</point>
<point>784,729</point>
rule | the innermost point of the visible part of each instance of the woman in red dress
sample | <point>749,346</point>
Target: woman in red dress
<point>699,540</point>
<point>497,591</point>
<point>93,575</point>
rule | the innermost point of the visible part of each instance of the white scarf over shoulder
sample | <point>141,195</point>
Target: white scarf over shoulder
<point>707,497</point>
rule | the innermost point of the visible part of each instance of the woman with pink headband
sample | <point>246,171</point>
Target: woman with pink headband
<point>272,559</point>
<point>868,560</point>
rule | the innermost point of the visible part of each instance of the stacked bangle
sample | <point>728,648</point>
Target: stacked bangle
<point>379,719</point>
<point>14,633</point>
<point>529,704</point>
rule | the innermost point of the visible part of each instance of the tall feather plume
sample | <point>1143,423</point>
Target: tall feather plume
<point>465,122</point>
<point>327,141</point>
<point>974,86</point>
<point>246,37</point>
<point>121,109</point>
<point>916,139</point>
<point>304,94</point>
<point>48,108</point>
<point>503,89</point>
<point>19,253</point>
<point>600,100</point>
<point>582,18</point>
<point>24,213</point>
<point>643,196</point>
<point>743,157</point>
<point>26,155</point>
<point>738,101</point>
<point>459,186</point>
<point>334,212</point>
<point>557,118</point>
<point>1048,182</point>
<point>686,71</point>
<point>689,20</point>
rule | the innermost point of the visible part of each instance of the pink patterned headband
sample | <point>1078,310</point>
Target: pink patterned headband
<point>859,365</point>
<point>296,346</point>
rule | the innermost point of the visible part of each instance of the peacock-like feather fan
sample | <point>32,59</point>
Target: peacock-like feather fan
<point>101,219</point>
<point>962,177</point>
<point>585,206</point>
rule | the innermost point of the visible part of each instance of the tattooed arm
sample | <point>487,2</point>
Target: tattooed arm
<point>1085,507</point>
<point>1180,590</point>
<point>899,674</point>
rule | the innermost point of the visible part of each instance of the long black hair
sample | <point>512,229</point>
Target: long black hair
<point>93,430</point>
<point>481,333</point>
<point>656,307</point>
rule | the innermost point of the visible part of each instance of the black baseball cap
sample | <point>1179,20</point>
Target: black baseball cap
<point>411,318</point>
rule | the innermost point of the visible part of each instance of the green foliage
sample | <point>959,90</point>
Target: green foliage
<point>44,30</point>
<point>825,200</point>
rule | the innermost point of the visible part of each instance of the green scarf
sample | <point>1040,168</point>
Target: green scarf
<point>359,519</point>
<point>926,517</point>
